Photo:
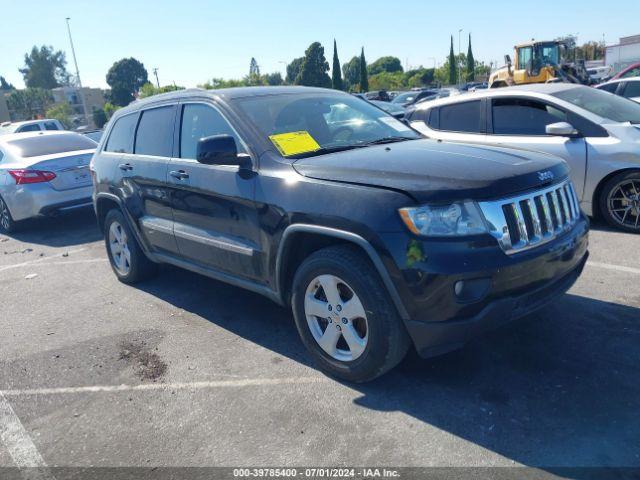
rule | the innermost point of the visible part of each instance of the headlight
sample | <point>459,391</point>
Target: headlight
<point>455,219</point>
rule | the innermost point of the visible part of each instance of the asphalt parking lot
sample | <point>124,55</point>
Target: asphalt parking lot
<point>187,371</point>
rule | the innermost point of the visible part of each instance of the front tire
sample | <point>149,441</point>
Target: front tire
<point>127,259</point>
<point>620,201</point>
<point>345,317</point>
<point>7,223</point>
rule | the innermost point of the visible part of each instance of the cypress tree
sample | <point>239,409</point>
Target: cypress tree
<point>364,76</point>
<point>336,75</point>
<point>471,64</point>
<point>453,70</point>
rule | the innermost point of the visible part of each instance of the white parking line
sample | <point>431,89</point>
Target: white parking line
<point>41,259</point>
<point>247,382</point>
<point>20,446</point>
<point>619,268</point>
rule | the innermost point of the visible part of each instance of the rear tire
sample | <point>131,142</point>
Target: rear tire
<point>7,223</point>
<point>127,259</point>
<point>619,201</point>
<point>360,339</point>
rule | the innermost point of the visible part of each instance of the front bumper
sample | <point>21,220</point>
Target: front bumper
<point>440,319</point>
<point>32,200</point>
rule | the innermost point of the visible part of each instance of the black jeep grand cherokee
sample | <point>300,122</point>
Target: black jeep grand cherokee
<point>376,237</point>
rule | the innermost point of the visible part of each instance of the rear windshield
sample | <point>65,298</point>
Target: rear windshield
<point>50,144</point>
<point>604,104</point>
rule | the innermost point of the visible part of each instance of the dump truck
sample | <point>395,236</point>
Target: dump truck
<point>539,62</point>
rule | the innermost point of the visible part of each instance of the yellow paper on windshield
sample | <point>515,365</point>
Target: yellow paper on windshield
<point>293,143</point>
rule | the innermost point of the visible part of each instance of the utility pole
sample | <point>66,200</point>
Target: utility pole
<point>459,67</point>
<point>75,61</point>
<point>155,72</point>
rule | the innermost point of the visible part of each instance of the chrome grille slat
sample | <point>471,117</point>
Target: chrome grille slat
<point>547,215</point>
<point>529,220</point>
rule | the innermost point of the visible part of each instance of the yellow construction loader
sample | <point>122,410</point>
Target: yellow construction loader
<point>539,62</point>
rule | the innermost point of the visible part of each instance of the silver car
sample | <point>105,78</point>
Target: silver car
<point>595,132</point>
<point>43,173</point>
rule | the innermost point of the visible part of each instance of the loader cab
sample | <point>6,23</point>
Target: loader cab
<point>535,62</point>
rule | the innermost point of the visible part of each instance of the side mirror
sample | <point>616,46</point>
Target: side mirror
<point>561,129</point>
<point>219,150</point>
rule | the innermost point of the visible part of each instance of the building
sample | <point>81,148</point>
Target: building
<point>623,54</point>
<point>4,108</point>
<point>94,98</point>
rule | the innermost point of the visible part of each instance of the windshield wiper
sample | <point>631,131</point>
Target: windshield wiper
<point>384,140</point>
<point>325,150</point>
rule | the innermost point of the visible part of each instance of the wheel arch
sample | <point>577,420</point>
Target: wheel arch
<point>105,203</point>
<point>310,238</point>
<point>603,181</point>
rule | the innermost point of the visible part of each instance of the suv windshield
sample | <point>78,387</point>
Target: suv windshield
<point>604,104</point>
<point>327,122</point>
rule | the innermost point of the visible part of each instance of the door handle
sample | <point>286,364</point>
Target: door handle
<point>125,166</point>
<point>179,174</point>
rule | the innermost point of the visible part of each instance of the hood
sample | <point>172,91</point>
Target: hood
<point>429,170</point>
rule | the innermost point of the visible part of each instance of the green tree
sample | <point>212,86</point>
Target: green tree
<point>99,117</point>
<point>273,79</point>
<point>216,83</point>
<point>6,86</point>
<point>453,70</point>
<point>110,109</point>
<point>388,81</point>
<point>385,64</point>
<point>149,89</point>
<point>293,70</point>
<point>61,112</point>
<point>364,75</point>
<point>336,75</point>
<point>30,102</point>
<point>351,73</point>
<point>126,77</point>
<point>44,68</point>
<point>471,64</point>
<point>313,72</point>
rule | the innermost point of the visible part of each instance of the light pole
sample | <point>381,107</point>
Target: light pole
<point>155,72</point>
<point>75,61</point>
<point>458,60</point>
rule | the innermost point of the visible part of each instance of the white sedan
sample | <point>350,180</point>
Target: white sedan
<point>595,132</point>
<point>43,173</point>
<point>624,87</point>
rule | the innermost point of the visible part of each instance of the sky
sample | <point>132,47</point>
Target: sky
<point>191,41</point>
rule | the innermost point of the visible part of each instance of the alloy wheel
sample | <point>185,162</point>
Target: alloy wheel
<point>623,203</point>
<point>119,248</point>
<point>336,318</point>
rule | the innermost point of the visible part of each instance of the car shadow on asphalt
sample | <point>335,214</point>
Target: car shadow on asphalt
<point>74,228</point>
<point>559,388</point>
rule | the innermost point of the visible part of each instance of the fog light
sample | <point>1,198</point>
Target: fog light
<point>471,290</point>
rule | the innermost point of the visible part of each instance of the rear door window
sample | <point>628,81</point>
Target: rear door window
<point>517,116</point>
<point>631,90</point>
<point>155,132</point>
<point>50,126</point>
<point>609,87</point>
<point>121,137</point>
<point>461,117</point>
